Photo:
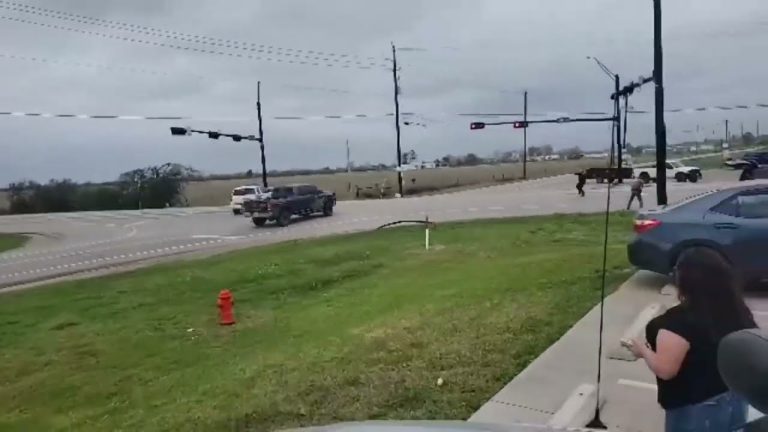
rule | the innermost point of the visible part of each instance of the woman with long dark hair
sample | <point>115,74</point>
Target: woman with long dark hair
<point>682,345</point>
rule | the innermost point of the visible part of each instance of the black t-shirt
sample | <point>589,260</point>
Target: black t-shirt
<point>698,378</point>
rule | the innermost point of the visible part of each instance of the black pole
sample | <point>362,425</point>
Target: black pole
<point>661,129</point>
<point>261,137</point>
<point>727,136</point>
<point>525,135</point>
<point>618,125</point>
<point>397,121</point>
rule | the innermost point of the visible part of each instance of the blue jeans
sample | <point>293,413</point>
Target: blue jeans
<point>723,413</point>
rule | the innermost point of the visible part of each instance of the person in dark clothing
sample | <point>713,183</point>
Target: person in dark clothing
<point>681,347</point>
<point>637,192</point>
<point>582,180</point>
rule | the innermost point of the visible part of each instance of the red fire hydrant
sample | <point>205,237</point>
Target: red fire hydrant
<point>226,308</point>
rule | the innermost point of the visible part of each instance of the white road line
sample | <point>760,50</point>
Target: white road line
<point>637,384</point>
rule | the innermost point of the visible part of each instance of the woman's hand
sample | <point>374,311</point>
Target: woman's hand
<point>639,347</point>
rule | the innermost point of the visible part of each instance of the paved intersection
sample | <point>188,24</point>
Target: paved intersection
<point>78,243</point>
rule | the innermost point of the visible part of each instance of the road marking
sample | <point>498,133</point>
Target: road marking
<point>638,384</point>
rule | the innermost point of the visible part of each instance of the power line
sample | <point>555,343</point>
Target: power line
<point>341,59</point>
<point>179,47</point>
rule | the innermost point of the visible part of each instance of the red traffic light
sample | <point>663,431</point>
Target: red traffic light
<point>520,124</point>
<point>476,125</point>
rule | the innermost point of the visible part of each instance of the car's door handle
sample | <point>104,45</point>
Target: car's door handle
<point>726,226</point>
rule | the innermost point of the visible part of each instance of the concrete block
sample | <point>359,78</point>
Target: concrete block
<point>578,409</point>
<point>635,330</point>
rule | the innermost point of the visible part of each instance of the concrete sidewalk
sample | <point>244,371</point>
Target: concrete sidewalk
<point>628,387</point>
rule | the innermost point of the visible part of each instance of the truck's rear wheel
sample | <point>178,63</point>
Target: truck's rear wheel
<point>328,209</point>
<point>645,177</point>
<point>681,177</point>
<point>600,180</point>
<point>284,218</point>
<point>259,222</point>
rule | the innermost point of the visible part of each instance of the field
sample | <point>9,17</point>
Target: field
<point>340,328</point>
<point>217,192</point>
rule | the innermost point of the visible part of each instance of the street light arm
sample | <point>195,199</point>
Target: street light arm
<point>603,67</point>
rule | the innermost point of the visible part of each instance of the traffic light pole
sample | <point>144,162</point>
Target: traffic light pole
<point>397,121</point>
<point>525,136</point>
<point>261,136</point>
<point>661,129</point>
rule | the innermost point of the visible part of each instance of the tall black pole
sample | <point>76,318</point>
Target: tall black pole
<point>261,137</point>
<point>661,129</point>
<point>727,136</point>
<point>397,121</point>
<point>757,131</point>
<point>525,135</point>
<point>617,83</point>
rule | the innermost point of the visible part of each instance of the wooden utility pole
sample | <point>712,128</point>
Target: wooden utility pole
<point>661,128</point>
<point>261,137</point>
<point>397,121</point>
<point>349,165</point>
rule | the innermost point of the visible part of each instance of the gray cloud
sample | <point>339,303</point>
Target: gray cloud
<point>469,56</point>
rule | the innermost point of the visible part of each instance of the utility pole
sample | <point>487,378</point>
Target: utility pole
<point>661,129</point>
<point>727,134</point>
<point>261,136</point>
<point>397,121</point>
<point>349,166</point>
<point>618,124</point>
<point>742,130</point>
<point>757,131</point>
<point>525,135</point>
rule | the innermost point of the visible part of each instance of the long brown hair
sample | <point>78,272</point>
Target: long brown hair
<point>710,291</point>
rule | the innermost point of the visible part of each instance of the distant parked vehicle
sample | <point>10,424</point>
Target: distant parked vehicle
<point>286,201</point>
<point>675,170</point>
<point>241,193</point>
<point>733,222</point>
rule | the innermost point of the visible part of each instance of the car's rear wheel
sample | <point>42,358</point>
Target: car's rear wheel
<point>693,177</point>
<point>681,177</point>
<point>259,222</point>
<point>328,209</point>
<point>284,218</point>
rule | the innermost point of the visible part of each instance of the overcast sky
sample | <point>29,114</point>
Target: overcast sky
<point>465,56</point>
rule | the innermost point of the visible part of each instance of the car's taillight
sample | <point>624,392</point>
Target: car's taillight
<point>645,225</point>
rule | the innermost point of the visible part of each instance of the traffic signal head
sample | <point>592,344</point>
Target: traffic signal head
<point>476,125</point>
<point>520,124</point>
<point>237,138</point>
<point>178,131</point>
<point>214,135</point>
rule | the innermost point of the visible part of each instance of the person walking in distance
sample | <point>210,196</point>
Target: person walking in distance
<point>681,347</point>
<point>580,182</point>
<point>637,192</point>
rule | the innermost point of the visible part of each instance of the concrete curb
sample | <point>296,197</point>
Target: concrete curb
<point>636,331</point>
<point>578,409</point>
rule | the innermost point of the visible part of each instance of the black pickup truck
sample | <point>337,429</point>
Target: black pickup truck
<point>286,201</point>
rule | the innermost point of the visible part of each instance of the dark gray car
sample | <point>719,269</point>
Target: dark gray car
<point>733,222</point>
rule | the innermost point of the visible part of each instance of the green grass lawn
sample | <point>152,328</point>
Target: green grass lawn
<point>342,328</point>
<point>11,241</point>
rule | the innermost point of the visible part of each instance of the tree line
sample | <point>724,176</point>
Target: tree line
<point>156,186</point>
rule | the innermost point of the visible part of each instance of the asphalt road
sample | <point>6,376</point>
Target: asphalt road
<point>79,244</point>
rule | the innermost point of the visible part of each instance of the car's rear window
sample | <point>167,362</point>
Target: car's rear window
<point>244,191</point>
